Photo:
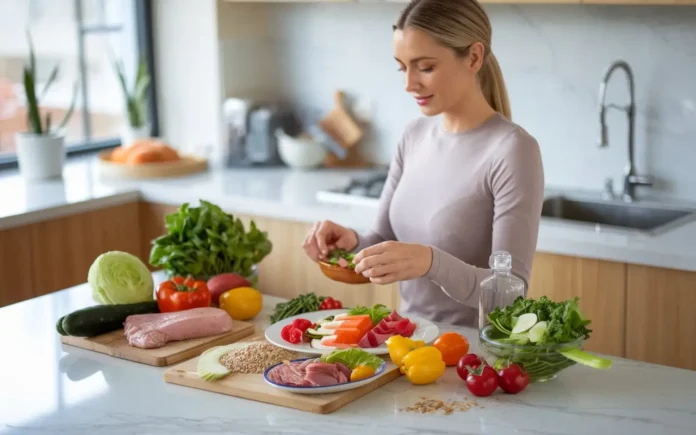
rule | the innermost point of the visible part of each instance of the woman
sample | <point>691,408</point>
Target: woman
<point>462,185</point>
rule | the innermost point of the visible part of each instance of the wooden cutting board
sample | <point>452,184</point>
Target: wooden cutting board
<point>186,166</point>
<point>254,387</point>
<point>115,344</point>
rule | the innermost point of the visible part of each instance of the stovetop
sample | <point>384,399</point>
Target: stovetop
<point>360,190</point>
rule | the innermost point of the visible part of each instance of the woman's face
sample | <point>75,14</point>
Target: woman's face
<point>434,75</point>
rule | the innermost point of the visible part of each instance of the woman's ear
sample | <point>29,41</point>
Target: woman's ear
<point>476,56</point>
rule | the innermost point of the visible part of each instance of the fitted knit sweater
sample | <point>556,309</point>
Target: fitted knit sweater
<point>465,195</point>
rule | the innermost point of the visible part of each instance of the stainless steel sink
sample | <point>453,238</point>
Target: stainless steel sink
<point>648,218</point>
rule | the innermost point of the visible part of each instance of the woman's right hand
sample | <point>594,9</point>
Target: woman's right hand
<point>325,236</point>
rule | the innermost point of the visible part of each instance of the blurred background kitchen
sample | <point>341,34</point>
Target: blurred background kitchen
<point>289,112</point>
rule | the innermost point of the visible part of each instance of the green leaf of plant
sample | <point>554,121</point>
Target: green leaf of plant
<point>51,78</point>
<point>68,114</point>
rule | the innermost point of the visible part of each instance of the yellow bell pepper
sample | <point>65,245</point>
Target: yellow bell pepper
<point>423,365</point>
<point>399,347</point>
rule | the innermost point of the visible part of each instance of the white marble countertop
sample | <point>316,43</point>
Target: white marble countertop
<point>50,388</point>
<point>285,194</point>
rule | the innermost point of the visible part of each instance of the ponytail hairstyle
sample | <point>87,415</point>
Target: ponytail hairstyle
<point>458,24</point>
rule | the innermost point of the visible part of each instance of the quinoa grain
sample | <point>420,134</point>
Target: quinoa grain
<point>255,358</point>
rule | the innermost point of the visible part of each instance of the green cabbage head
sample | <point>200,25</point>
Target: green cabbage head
<point>120,278</point>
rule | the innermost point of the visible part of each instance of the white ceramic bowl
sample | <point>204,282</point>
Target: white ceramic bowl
<point>300,152</point>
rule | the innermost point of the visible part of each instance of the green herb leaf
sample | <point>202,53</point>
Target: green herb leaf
<point>353,358</point>
<point>206,241</point>
<point>376,313</point>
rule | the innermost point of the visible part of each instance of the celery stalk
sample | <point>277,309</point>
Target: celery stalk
<point>582,357</point>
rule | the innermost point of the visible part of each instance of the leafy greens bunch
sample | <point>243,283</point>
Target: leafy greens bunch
<point>205,241</point>
<point>564,320</point>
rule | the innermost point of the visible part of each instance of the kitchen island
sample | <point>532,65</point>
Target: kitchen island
<point>50,388</point>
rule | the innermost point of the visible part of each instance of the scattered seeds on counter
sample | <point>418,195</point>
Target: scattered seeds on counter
<point>433,406</point>
<point>255,358</point>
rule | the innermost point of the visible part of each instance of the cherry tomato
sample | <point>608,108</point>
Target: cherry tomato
<point>513,379</point>
<point>483,381</point>
<point>285,332</point>
<point>471,360</point>
<point>296,336</point>
<point>301,324</point>
<point>330,304</point>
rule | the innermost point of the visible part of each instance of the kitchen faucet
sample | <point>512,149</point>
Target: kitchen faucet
<point>631,179</point>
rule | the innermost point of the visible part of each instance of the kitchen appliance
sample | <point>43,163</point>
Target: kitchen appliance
<point>364,190</point>
<point>251,127</point>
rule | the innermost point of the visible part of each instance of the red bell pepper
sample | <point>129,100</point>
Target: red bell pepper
<point>179,293</point>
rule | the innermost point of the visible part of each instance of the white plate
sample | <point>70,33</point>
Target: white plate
<point>425,330</point>
<point>325,389</point>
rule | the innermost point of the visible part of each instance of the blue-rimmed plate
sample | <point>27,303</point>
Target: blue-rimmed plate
<point>326,389</point>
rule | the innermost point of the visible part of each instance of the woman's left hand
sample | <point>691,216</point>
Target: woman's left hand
<point>388,262</point>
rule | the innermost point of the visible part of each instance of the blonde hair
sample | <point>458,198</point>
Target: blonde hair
<point>458,24</point>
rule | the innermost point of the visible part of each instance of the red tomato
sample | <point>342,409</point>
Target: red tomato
<point>301,324</point>
<point>483,381</point>
<point>330,304</point>
<point>471,360</point>
<point>285,332</point>
<point>296,336</point>
<point>513,379</point>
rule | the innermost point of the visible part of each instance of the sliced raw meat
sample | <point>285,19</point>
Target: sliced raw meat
<point>148,331</point>
<point>344,369</point>
<point>309,373</point>
<point>391,325</point>
<point>287,374</point>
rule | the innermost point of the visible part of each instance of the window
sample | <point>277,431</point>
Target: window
<point>82,38</point>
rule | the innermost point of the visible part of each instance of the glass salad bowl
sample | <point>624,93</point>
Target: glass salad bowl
<point>541,362</point>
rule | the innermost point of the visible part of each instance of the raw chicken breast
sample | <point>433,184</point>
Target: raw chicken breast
<point>148,331</point>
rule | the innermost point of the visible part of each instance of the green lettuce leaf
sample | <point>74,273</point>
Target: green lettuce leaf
<point>353,358</point>
<point>377,313</point>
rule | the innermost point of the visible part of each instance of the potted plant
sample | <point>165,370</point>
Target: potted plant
<point>41,149</point>
<point>136,126</point>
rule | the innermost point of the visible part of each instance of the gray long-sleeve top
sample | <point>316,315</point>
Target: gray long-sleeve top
<point>465,195</point>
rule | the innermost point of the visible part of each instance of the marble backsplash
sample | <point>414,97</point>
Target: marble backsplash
<point>553,58</point>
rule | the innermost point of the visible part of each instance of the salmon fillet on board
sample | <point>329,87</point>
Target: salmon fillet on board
<point>149,331</point>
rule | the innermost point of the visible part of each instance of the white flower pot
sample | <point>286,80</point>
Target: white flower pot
<point>40,157</point>
<point>129,134</point>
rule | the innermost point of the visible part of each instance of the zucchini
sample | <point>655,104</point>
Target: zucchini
<point>59,326</point>
<point>100,319</point>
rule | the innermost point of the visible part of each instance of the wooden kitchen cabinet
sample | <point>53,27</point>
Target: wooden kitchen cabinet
<point>660,320</point>
<point>601,287</point>
<point>17,283</point>
<point>63,249</point>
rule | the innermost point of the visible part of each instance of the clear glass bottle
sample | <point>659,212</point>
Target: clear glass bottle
<point>499,289</point>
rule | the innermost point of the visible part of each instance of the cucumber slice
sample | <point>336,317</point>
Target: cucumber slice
<point>524,322</point>
<point>537,332</point>
<point>209,367</point>
<point>320,331</point>
<point>582,357</point>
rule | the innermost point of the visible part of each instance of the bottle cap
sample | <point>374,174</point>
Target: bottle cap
<point>500,260</point>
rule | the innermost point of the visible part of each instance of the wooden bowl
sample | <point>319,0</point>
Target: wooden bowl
<point>342,274</point>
